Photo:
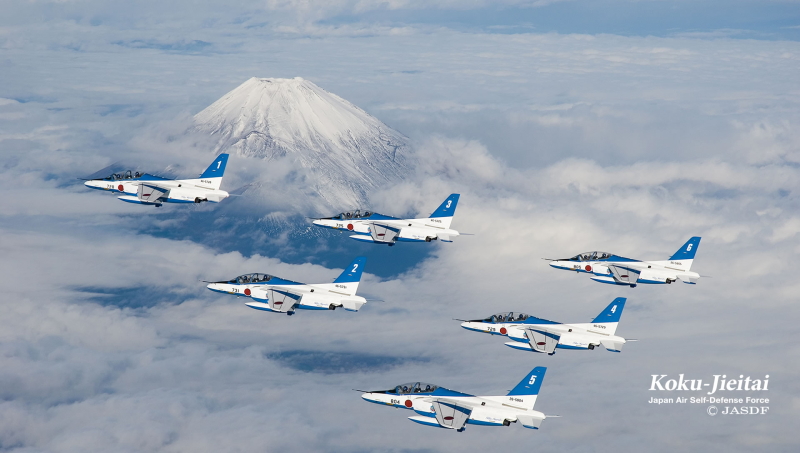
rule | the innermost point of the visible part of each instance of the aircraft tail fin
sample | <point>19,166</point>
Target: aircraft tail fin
<point>445,212</point>
<point>611,315</point>
<point>685,255</point>
<point>351,276</point>
<point>213,175</point>
<point>528,388</point>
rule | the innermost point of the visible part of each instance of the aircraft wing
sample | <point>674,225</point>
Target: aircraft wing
<point>542,340</point>
<point>624,274</point>
<point>282,300</point>
<point>151,192</point>
<point>451,414</point>
<point>383,233</point>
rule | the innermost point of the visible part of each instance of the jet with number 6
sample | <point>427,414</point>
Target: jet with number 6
<point>147,189</point>
<point>442,408</point>
<point>278,295</point>
<point>609,268</point>
<point>540,335</point>
<point>382,229</point>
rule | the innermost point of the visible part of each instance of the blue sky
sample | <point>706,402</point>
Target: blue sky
<point>567,126</point>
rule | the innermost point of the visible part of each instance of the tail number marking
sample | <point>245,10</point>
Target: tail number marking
<point>689,248</point>
<point>449,202</point>
<point>613,309</point>
<point>355,266</point>
<point>533,379</point>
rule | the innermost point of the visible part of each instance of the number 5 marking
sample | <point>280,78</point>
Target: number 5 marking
<point>533,379</point>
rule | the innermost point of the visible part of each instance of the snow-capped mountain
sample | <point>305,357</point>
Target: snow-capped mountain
<point>340,152</point>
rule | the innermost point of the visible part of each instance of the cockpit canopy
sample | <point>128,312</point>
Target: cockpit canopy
<point>507,317</point>
<point>590,256</point>
<point>252,278</point>
<point>414,387</point>
<point>357,214</point>
<point>129,174</point>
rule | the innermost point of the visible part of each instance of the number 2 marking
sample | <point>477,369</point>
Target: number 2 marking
<point>355,266</point>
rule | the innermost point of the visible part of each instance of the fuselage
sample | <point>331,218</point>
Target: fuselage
<point>411,230</point>
<point>647,272</point>
<point>323,296</point>
<point>487,410</point>
<point>180,191</point>
<point>571,336</point>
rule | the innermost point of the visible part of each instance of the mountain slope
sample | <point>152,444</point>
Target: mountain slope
<point>341,152</point>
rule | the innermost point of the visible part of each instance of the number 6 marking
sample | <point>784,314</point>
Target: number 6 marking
<point>689,249</point>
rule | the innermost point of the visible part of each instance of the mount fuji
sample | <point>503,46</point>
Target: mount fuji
<point>340,152</point>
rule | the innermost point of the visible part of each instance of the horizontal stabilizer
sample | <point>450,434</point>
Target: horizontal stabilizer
<point>530,421</point>
<point>613,346</point>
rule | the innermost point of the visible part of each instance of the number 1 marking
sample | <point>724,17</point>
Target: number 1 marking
<point>218,164</point>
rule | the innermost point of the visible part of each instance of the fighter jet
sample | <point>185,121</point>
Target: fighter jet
<point>382,229</point>
<point>278,295</point>
<point>540,335</point>
<point>442,408</point>
<point>147,189</point>
<point>609,268</point>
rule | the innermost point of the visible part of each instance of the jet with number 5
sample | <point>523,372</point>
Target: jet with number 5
<point>540,335</point>
<point>382,229</point>
<point>442,408</point>
<point>617,270</point>
<point>147,189</point>
<point>278,295</point>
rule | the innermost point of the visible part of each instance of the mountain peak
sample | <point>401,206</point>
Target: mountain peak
<point>344,151</point>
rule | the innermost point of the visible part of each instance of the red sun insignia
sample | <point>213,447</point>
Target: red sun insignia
<point>588,268</point>
<point>247,291</point>
<point>350,226</point>
<point>409,403</point>
<point>121,188</point>
<point>503,330</point>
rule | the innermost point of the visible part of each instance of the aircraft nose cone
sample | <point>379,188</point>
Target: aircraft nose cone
<point>317,222</point>
<point>554,264</point>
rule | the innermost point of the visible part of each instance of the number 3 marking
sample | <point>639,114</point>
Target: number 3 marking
<point>449,202</point>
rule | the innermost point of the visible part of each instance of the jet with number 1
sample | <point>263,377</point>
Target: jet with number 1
<point>442,408</point>
<point>147,189</point>
<point>278,295</point>
<point>383,229</point>
<point>617,270</point>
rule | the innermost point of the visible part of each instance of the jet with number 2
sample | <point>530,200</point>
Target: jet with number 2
<point>609,268</point>
<point>540,335</point>
<point>442,408</point>
<point>147,189</point>
<point>278,295</point>
<point>383,229</point>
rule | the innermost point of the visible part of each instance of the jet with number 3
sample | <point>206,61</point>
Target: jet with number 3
<point>540,335</point>
<point>617,270</point>
<point>278,295</point>
<point>382,229</point>
<point>147,189</point>
<point>442,408</point>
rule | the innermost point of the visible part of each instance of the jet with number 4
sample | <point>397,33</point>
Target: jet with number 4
<point>442,408</point>
<point>540,335</point>
<point>278,295</point>
<point>617,270</point>
<point>382,229</point>
<point>147,189</point>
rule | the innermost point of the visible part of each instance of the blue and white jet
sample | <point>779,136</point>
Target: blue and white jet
<point>442,408</point>
<point>540,335</point>
<point>617,270</point>
<point>278,295</point>
<point>382,229</point>
<point>147,189</point>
